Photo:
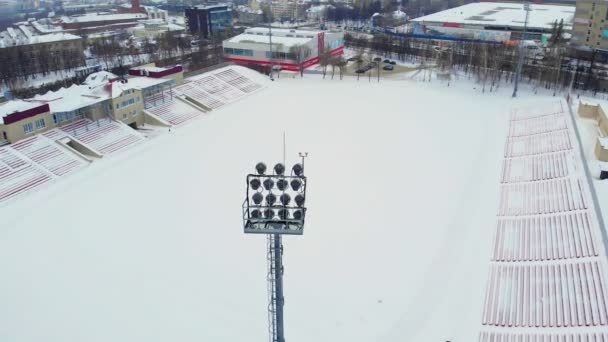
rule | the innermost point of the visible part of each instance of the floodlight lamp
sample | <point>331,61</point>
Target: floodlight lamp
<point>299,200</point>
<point>279,169</point>
<point>297,214</point>
<point>285,199</point>
<point>268,184</point>
<point>268,213</point>
<point>256,214</point>
<point>255,183</point>
<point>298,170</point>
<point>283,214</point>
<point>296,184</point>
<point>271,199</point>
<point>282,184</point>
<point>260,168</point>
<point>257,198</point>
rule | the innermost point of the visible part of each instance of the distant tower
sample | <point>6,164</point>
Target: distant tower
<point>135,6</point>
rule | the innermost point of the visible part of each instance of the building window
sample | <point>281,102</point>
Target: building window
<point>124,116</point>
<point>40,124</point>
<point>117,106</point>
<point>28,128</point>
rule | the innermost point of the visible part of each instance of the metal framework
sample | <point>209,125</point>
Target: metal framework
<point>275,216</point>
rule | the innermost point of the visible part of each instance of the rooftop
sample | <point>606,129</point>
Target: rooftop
<point>74,97</point>
<point>26,35</point>
<point>92,17</point>
<point>11,107</point>
<point>261,39</point>
<point>503,14</point>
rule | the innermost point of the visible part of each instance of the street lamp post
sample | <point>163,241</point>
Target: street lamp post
<point>520,61</point>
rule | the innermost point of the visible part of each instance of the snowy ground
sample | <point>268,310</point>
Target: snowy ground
<point>148,245</point>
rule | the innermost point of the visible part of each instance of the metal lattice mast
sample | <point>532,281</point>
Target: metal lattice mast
<point>270,277</point>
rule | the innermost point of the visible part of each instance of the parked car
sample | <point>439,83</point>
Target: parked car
<point>388,67</point>
<point>360,71</point>
<point>387,61</point>
<point>377,59</point>
<point>352,59</point>
<point>393,62</point>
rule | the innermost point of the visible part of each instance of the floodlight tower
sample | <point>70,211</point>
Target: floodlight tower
<point>268,209</point>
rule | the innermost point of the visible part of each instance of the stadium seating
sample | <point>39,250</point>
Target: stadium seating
<point>547,280</point>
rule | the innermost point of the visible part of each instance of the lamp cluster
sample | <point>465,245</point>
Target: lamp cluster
<point>275,202</point>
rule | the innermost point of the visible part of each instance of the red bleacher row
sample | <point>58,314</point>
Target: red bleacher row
<point>541,197</point>
<point>17,181</point>
<point>538,125</point>
<point>176,113</point>
<point>193,91</point>
<point>104,136</point>
<point>539,167</point>
<point>549,237</point>
<point>538,144</point>
<point>537,111</point>
<point>44,152</point>
<point>218,88</point>
<point>486,336</point>
<point>237,80</point>
<point>546,295</point>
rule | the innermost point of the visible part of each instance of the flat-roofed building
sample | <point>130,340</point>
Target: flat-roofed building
<point>24,50</point>
<point>495,21</point>
<point>253,47</point>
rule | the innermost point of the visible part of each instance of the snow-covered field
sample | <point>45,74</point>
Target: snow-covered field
<point>148,245</point>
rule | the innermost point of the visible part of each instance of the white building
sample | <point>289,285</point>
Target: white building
<point>494,21</point>
<point>253,46</point>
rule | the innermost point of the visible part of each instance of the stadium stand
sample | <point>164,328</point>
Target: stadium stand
<point>547,280</point>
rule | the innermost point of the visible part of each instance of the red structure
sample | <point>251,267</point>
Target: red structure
<point>135,8</point>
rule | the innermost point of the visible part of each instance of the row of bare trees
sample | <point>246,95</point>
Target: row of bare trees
<point>553,67</point>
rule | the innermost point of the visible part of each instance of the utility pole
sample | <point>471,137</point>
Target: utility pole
<point>520,61</point>
<point>270,39</point>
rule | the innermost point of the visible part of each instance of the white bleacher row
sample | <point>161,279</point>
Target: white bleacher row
<point>537,125</point>
<point>537,110</point>
<point>176,113</point>
<point>538,143</point>
<point>237,80</point>
<point>49,155</point>
<point>542,197</point>
<point>18,175</point>
<point>547,237</point>
<point>547,268</point>
<point>104,136</point>
<point>197,94</point>
<point>540,337</point>
<point>546,295</point>
<point>537,167</point>
<point>218,88</point>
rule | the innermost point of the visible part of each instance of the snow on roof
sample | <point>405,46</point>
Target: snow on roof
<point>281,31</point>
<point>92,17</point>
<point>24,35</point>
<point>16,106</point>
<point>503,14</point>
<point>140,82</point>
<point>98,78</point>
<point>261,39</point>
<point>74,97</point>
<point>247,9</point>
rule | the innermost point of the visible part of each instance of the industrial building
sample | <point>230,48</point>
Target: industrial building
<point>590,28</point>
<point>494,21</point>
<point>207,20</point>
<point>292,50</point>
